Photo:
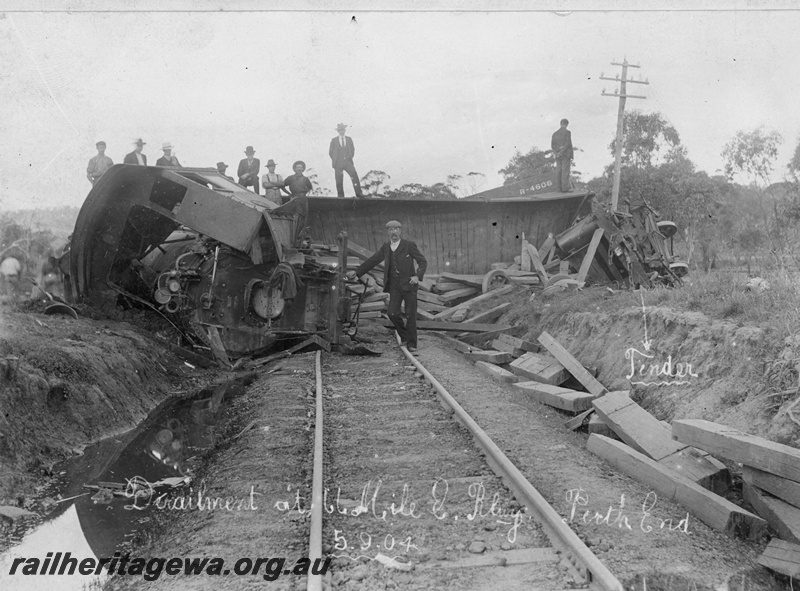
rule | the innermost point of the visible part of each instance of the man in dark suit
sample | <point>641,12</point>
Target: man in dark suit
<point>136,157</point>
<point>561,144</point>
<point>399,279</point>
<point>341,152</point>
<point>248,170</point>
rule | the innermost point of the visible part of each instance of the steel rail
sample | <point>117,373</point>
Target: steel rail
<point>315,537</point>
<point>588,565</point>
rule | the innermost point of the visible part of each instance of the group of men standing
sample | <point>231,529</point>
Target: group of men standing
<point>99,164</point>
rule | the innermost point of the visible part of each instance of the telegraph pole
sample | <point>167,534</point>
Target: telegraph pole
<point>622,94</point>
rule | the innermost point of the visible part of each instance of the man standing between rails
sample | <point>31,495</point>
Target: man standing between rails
<point>399,279</point>
<point>248,170</point>
<point>341,152</point>
<point>561,144</point>
<point>99,164</point>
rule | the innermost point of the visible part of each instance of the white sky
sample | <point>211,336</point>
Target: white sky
<point>425,94</point>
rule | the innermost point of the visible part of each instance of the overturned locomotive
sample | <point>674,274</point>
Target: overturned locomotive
<point>222,265</point>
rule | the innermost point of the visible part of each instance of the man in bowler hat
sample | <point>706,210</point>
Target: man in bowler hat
<point>399,279</point>
<point>248,170</point>
<point>341,152</point>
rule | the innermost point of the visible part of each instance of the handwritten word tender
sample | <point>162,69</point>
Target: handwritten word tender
<point>642,367</point>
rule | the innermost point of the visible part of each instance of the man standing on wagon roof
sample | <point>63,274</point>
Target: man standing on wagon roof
<point>341,152</point>
<point>99,164</point>
<point>248,170</point>
<point>399,279</point>
<point>561,144</point>
<point>136,157</point>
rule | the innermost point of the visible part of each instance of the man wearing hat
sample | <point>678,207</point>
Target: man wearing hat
<point>99,164</point>
<point>299,185</point>
<point>168,159</point>
<point>399,279</point>
<point>272,183</point>
<point>248,170</point>
<point>136,157</point>
<point>341,152</point>
<point>221,168</point>
<point>561,144</point>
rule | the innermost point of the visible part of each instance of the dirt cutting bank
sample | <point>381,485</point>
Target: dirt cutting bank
<point>65,383</point>
<point>696,367</point>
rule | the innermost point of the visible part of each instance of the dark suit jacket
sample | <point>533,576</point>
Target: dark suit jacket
<point>341,155</point>
<point>561,144</point>
<point>407,252</point>
<point>131,158</point>
<point>173,163</point>
<point>245,168</point>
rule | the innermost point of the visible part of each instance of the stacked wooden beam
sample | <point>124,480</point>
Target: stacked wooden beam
<point>770,483</point>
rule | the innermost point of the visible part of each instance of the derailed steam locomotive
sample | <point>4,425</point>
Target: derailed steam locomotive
<point>215,260</point>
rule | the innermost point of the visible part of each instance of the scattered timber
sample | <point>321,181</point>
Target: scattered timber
<point>781,516</point>
<point>520,343</point>
<point>578,421</point>
<point>497,372</point>
<point>540,368</point>
<point>738,446</point>
<point>782,557</point>
<point>496,357</point>
<point>507,348</point>
<point>482,337</point>
<point>713,510</point>
<point>784,489</point>
<point>572,365</point>
<point>491,314</point>
<point>459,326</point>
<point>562,398</point>
<point>492,294</point>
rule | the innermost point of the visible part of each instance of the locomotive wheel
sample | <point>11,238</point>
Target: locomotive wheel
<point>493,279</point>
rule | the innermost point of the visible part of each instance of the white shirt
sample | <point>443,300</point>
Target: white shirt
<point>140,159</point>
<point>394,245</point>
<point>341,140</point>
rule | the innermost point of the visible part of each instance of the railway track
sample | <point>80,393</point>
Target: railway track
<point>409,491</point>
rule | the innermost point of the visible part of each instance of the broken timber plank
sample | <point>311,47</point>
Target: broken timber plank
<point>496,357</point>
<point>507,348</point>
<point>317,342</point>
<point>589,256</point>
<point>459,316</point>
<point>497,372</point>
<point>456,344</point>
<point>783,488</point>
<point>520,343</point>
<point>577,421</point>
<point>547,247</point>
<point>738,446</point>
<point>459,326</point>
<point>424,314</point>
<point>429,307</point>
<point>443,287</point>
<point>781,516</point>
<point>473,280</point>
<point>782,557</point>
<point>380,296</point>
<point>562,398</point>
<point>361,253</point>
<point>635,426</point>
<point>491,294</point>
<point>573,365</point>
<point>457,294</point>
<point>218,349</point>
<point>432,298</point>
<point>537,263</point>
<point>599,426</point>
<point>713,510</point>
<point>482,337</point>
<point>698,466</point>
<point>540,368</point>
<point>373,306</point>
<point>491,314</point>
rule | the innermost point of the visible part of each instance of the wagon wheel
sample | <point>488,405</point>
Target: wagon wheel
<point>555,278</point>
<point>493,279</point>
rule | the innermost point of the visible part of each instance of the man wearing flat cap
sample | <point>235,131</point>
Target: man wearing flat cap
<point>99,164</point>
<point>297,185</point>
<point>221,168</point>
<point>399,279</point>
<point>341,152</point>
<point>136,157</point>
<point>248,170</point>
